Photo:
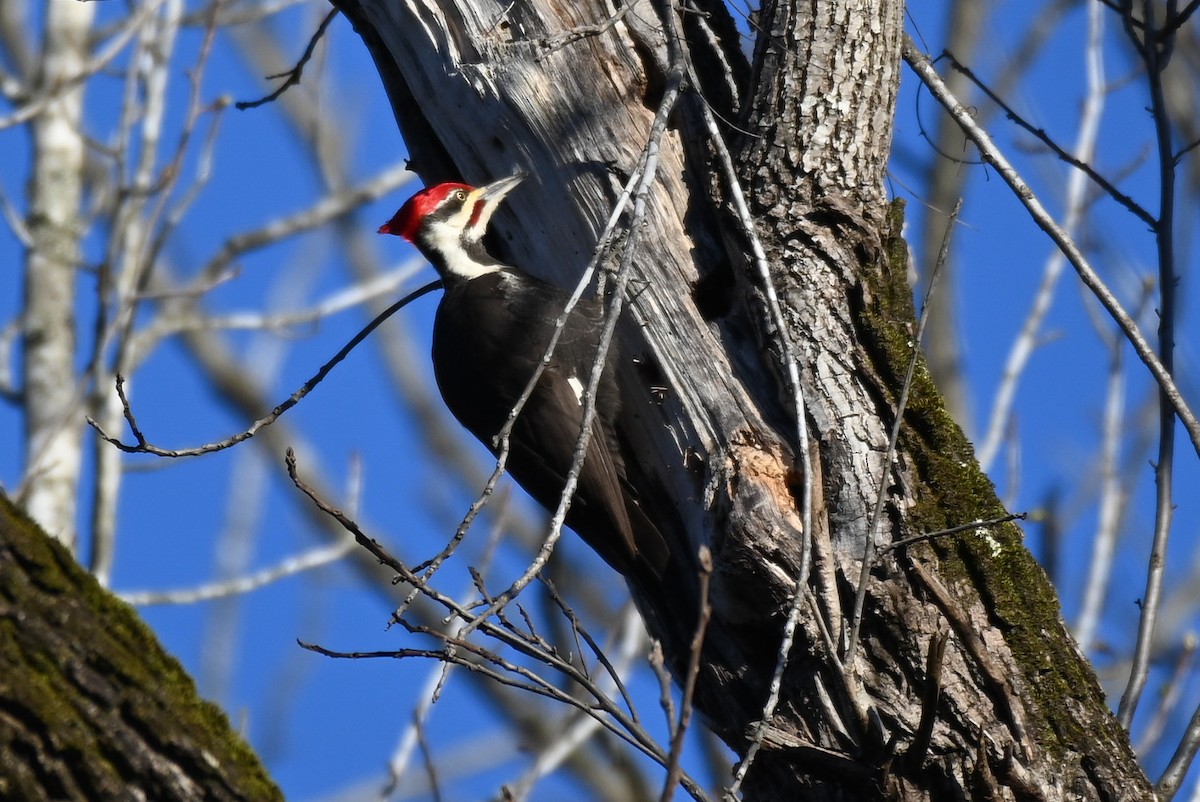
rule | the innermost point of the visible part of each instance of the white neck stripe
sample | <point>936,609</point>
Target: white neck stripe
<point>444,238</point>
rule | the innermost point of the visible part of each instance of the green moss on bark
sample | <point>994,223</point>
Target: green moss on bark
<point>950,489</point>
<point>91,706</point>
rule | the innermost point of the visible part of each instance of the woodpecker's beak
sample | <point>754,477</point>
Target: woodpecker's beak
<point>486,199</point>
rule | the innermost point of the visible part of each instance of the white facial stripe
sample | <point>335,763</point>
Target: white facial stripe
<point>485,215</point>
<point>444,238</point>
<point>577,387</point>
<point>463,216</point>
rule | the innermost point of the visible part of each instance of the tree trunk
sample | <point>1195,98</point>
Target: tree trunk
<point>1005,708</point>
<point>91,707</point>
<point>53,397</point>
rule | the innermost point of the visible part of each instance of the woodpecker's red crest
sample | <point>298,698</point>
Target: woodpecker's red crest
<point>407,220</point>
<point>447,223</point>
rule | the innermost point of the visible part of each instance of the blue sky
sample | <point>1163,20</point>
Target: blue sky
<point>324,725</point>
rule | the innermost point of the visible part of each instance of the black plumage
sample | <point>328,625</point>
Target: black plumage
<point>495,328</point>
<point>492,328</point>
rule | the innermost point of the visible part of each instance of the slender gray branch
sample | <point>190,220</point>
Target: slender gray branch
<point>923,68</point>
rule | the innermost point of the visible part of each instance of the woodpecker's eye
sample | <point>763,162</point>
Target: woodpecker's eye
<point>460,195</point>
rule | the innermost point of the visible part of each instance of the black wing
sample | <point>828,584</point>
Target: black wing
<point>484,354</point>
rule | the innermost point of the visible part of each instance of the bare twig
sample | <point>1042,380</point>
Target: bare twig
<point>674,768</point>
<point>666,702</point>
<point>583,727</point>
<point>1077,160</point>
<point>1114,496</point>
<point>920,64</point>
<point>580,630</point>
<point>1155,52</point>
<point>1167,704</point>
<point>1172,777</point>
<point>143,446</point>
<point>1175,21</point>
<point>557,42</point>
<point>435,790</point>
<point>60,87</point>
<point>330,207</point>
<point>339,301</point>
<point>291,566</point>
<point>954,530</point>
<point>436,680</point>
<point>139,230</point>
<point>293,75</point>
<point>461,651</point>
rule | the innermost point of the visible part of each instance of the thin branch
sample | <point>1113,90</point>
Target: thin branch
<point>1121,8</point>
<point>583,727</point>
<point>565,744</point>
<point>293,75</point>
<point>463,652</point>
<point>581,631</point>
<point>1024,345</point>
<point>1185,150</point>
<point>331,206</point>
<point>1167,704</point>
<point>954,530</point>
<point>1156,53</point>
<point>335,303</point>
<point>133,246</point>
<point>1177,21</point>
<point>557,42</point>
<point>1114,496</point>
<point>1172,778</point>
<point>143,446</point>
<point>36,105</point>
<point>665,701</point>
<point>674,768</point>
<point>435,790</point>
<point>436,680</point>
<point>921,66</point>
<point>242,584</point>
<point>1078,162</point>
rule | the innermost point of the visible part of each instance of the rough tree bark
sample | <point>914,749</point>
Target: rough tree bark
<point>1008,709</point>
<point>91,707</point>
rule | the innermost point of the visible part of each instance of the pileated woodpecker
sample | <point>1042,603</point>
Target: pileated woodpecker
<point>490,333</point>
